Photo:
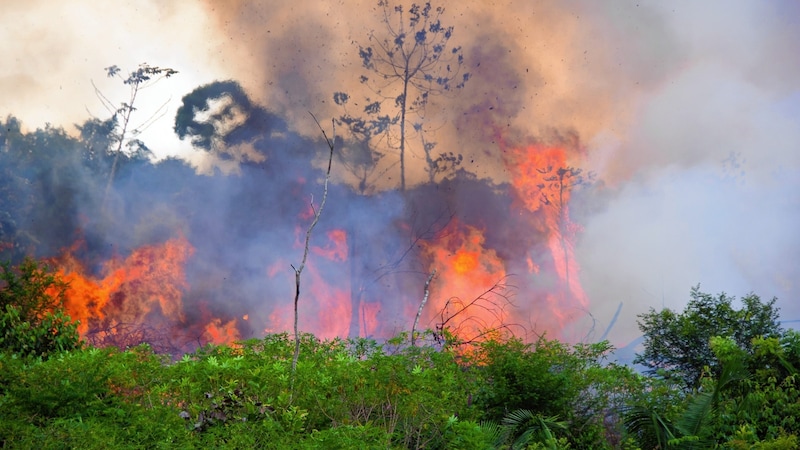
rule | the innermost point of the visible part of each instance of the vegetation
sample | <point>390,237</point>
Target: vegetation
<point>359,393</point>
<point>715,376</point>
<point>679,344</point>
<point>33,321</point>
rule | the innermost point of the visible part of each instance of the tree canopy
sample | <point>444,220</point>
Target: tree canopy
<point>677,345</point>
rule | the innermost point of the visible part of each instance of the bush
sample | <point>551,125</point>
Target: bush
<point>32,315</point>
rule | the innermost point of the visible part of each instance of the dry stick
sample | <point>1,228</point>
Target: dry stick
<point>298,270</point>
<point>421,306</point>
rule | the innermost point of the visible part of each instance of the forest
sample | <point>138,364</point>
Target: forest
<point>370,285</point>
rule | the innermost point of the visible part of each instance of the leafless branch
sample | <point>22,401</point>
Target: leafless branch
<point>457,316</point>
<point>299,269</point>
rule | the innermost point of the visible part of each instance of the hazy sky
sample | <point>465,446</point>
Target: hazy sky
<point>689,111</point>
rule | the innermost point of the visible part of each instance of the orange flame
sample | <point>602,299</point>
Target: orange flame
<point>466,270</point>
<point>336,247</point>
<point>144,289</point>
<point>543,181</point>
<point>219,333</point>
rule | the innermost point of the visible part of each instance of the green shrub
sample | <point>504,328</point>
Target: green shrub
<point>33,321</point>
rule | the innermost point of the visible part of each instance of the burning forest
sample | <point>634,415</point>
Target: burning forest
<point>179,259</point>
<point>469,171</point>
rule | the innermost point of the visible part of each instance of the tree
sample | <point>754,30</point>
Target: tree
<point>136,80</point>
<point>698,425</point>
<point>678,345</point>
<point>44,175</point>
<point>556,187</point>
<point>219,115</point>
<point>411,62</point>
<point>405,64</point>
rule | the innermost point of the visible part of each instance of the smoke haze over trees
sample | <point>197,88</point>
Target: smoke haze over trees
<point>687,117</point>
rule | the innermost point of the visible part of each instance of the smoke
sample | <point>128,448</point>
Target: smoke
<point>703,182</point>
<point>687,112</point>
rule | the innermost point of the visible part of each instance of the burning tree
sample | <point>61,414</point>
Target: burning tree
<point>555,191</point>
<point>544,181</point>
<point>406,63</point>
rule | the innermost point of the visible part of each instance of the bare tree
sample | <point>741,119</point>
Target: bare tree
<point>412,62</point>
<point>299,269</point>
<point>141,78</point>
<point>426,293</point>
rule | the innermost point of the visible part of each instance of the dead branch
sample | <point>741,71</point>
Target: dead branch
<point>299,269</point>
<point>494,300</point>
<point>426,292</point>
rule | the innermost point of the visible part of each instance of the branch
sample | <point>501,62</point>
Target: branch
<point>299,270</point>
<point>422,305</point>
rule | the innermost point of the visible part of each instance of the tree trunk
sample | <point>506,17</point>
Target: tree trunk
<point>403,130</point>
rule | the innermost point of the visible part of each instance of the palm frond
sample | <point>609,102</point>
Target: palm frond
<point>495,431</point>
<point>702,410</point>
<point>536,426</point>
<point>648,428</point>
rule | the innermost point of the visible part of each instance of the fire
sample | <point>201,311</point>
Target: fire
<point>473,260</point>
<point>465,262</point>
<point>324,306</point>
<point>336,247</point>
<point>464,296</point>
<point>221,333</point>
<point>543,180</point>
<point>535,175</point>
<point>139,297</point>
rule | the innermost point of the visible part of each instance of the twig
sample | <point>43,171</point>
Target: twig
<point>422,305</point>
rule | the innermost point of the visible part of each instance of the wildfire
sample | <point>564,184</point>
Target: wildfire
<point>144,292</point>
<point>543,181</point>
<point>336,247</point>
<point>139,298</point>
<point>461,296</point>
<point>325,289</point>
<point>465,262</point>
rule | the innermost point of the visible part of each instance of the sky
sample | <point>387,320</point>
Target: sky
<point>687,112</point>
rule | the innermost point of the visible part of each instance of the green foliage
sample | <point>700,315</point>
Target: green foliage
<point>678,345</point>
<point>551,379</point>
<point>87,398</point>
<point>737,367</point>
<point>33,321</point>
<point>535,427</point>
<point>467,434</point>
<point>53,333</point>
<point>745,439</point>
<point>648,427</point>
<point>363,394</point>
<point>521,376</point>
<point>751,403</point>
